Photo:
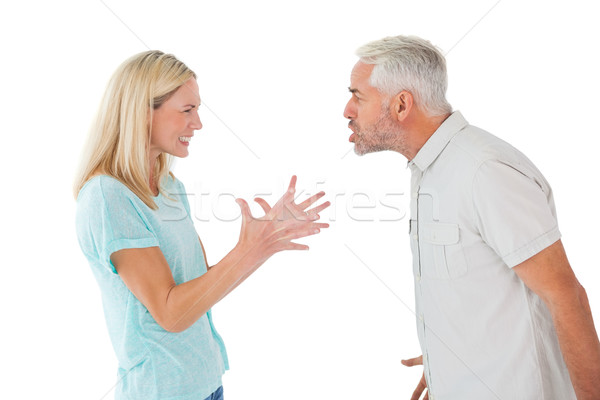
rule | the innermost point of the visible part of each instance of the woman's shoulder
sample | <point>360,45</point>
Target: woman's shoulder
<point>103,186</point>
<point>99,182</point>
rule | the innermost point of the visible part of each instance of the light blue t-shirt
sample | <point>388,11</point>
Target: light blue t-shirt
<point>153,363</point>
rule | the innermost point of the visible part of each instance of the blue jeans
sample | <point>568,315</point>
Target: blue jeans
<point>217,395</point>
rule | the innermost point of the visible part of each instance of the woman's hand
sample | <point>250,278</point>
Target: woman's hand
<point>260,238</point>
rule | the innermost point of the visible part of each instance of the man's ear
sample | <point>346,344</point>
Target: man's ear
<point>402,105</point>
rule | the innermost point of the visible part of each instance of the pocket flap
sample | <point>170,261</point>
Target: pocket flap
<point>439,233</point>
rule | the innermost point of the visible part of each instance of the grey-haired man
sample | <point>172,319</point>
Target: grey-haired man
<point>500,313</point>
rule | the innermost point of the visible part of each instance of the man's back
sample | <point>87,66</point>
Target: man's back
<point>478,208</point>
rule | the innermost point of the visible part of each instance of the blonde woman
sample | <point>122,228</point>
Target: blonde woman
<point>134,227</point>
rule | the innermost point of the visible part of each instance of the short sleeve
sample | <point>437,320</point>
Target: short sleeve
<point>109,218</point>
<point>514,210</point>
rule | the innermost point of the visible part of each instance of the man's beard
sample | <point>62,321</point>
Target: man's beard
<point>384,134</point>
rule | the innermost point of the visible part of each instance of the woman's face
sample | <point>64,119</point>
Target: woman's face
<point>174,122</point>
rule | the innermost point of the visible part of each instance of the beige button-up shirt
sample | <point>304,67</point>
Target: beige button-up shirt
<point>478,208</point>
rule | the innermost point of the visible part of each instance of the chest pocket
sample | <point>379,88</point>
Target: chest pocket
<point>441,252</point>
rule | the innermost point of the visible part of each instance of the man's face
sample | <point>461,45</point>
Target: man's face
<point>371,121</point>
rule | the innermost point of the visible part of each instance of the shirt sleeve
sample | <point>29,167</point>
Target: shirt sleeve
<point>114,221</point>
<point>514,210</point>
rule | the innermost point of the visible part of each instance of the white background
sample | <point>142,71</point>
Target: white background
<point>333,322</point>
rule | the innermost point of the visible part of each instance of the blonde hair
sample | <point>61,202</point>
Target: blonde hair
<point>119,140</point>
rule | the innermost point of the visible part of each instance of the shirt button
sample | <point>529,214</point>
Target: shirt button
<point>421,319</point>
<point>415,195</point>
<point>416,237</point>
<point>418,276</point>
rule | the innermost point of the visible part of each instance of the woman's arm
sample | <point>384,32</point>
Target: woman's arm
<point>176,307</point>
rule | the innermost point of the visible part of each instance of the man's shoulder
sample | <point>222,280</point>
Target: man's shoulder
<point>479,146</point>
<point>473,148</point>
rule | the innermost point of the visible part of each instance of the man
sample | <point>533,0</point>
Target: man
<point>500,313</point>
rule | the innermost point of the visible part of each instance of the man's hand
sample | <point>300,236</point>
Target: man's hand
<point>422,386</point>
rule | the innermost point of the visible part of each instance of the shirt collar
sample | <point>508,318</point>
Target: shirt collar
<point>438,141</point>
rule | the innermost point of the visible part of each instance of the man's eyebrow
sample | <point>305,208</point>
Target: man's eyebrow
<point>353,90</point>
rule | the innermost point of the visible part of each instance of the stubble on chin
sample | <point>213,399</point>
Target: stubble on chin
<point>382,135</point>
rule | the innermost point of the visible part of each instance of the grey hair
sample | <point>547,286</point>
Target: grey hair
<point>412,64</point>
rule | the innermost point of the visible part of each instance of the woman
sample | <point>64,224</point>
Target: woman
<point>134,226</point>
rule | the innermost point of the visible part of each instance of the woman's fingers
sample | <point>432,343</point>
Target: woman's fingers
<point>286,202</point>
<point>296,232</point>
<point>282,223</point>
<point>246,214</point>
<point>286,208</point>
<point>292,210</point>
<point>306,203</point>
<point>263,204</point>
<point>295,246</point>
<point>318,209</point>
<point>292,186</point>
<point>287,244</point>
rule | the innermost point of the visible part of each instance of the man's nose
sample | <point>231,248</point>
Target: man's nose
<point>349,111</point>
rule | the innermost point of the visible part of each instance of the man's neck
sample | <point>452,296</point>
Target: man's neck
<point>421,128</point>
